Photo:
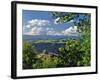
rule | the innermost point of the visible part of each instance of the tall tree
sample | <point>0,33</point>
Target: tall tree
<point>83,22</point>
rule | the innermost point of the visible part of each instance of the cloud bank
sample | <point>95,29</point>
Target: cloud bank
<point>71,31</point>
<point>44,27</point>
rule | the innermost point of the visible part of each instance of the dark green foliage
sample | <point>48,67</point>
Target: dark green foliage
<point>33,60</point>
<point>49,62</point>
<point>45,61</point>
<point>70,54</point>
<point>75,53</point>
<point>29,53</point>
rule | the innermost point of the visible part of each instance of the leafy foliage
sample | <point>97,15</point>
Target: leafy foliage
<point>29,53</point>
<point>77,52</point>
<point>79,19</point>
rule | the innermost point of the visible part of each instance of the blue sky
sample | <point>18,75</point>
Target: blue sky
<point>42,23</point>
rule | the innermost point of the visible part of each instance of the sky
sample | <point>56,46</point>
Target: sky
<point>42,23</point>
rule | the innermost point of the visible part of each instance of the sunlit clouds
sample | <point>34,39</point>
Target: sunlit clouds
<point>45,27</point>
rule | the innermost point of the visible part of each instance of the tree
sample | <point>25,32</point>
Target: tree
<point>46,61</point>
<point>29,55</point>
<point>69,53</point>
<point>49,62</point>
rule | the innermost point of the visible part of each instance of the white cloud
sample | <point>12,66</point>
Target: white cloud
<point>71,21</point>
<point>38,22</point>
<point>41,31</point>
<point>56,20</point>
<point>71,31</point>
<point>27,26</point>
<point>36,26</point>
<point>35,31</point>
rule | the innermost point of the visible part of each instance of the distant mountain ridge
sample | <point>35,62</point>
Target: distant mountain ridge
<point>36,37</point>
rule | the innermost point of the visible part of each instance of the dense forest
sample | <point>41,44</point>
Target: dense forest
<point>75,53</point>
